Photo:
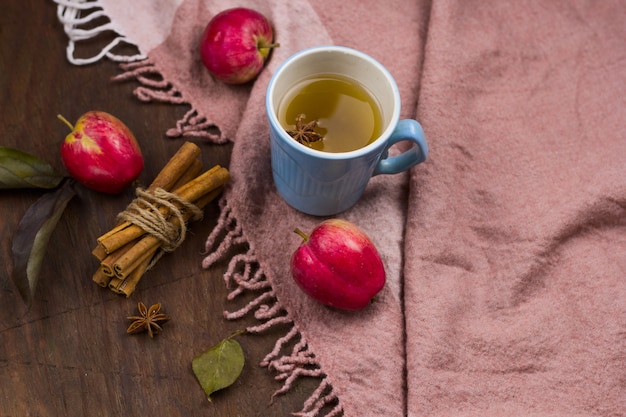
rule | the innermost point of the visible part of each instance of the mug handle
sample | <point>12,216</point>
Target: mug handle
<point>410,130</point>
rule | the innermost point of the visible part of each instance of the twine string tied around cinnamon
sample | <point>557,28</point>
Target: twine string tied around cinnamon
<point>144,212</point>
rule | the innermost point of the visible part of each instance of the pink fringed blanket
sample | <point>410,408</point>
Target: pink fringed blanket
<point>505,251</point>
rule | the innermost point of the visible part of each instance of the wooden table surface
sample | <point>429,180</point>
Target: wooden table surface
<point>69,354</point>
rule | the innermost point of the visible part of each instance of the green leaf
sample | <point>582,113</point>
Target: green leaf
<point>219,366</point>
<point>32,236</point>
<point>22,170</point>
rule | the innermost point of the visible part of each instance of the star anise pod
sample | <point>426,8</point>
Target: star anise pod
<point>148,320</point>
<point>305,133</point>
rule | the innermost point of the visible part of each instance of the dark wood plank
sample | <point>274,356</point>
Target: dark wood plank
<point>69,353</point>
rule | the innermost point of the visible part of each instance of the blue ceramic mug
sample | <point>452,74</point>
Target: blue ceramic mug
<point>324,183</point>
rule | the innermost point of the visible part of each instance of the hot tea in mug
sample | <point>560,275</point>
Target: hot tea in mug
<point>331,113</point>
<point>352,103</point>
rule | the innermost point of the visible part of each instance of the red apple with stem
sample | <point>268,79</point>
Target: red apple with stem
<point>101,152</point>
<point>338,265</point>
<point>235,44</point>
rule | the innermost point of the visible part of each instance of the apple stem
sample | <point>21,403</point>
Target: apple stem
<point>302,234</point>
<point>64,120</point>
<point>270,46</point>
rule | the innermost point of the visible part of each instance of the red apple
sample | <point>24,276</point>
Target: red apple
<point>101,152</point>
<point>338,265</point>
<point>235,44</point>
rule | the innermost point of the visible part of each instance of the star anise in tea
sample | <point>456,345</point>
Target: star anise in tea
<point>305,132</point>
<point>150,320</point>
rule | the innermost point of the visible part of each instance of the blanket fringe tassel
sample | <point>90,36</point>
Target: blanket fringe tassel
<point>154,87</point>
<point>85,20</point>
<point>291,358</point>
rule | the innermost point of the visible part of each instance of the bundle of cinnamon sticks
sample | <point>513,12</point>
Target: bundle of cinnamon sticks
<point>156,221</point>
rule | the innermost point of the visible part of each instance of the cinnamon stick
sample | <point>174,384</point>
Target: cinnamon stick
<point>179,170</point>
<point>100,278</point>
<point>128,285</point>
<point>115,283</point>
<point>201,185</point>
<point>178,164</point>
<point>192,172</point>
<point>107,259</point>
<point>127,251</point>
<point>99,252</point>
<point>122,274</point>
<point>149,243</point>
<point>194,189</point>
<point>107,263</point>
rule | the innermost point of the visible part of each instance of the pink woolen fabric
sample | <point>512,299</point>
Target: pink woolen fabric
<point>515,277</point>
<point>505,251</point>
